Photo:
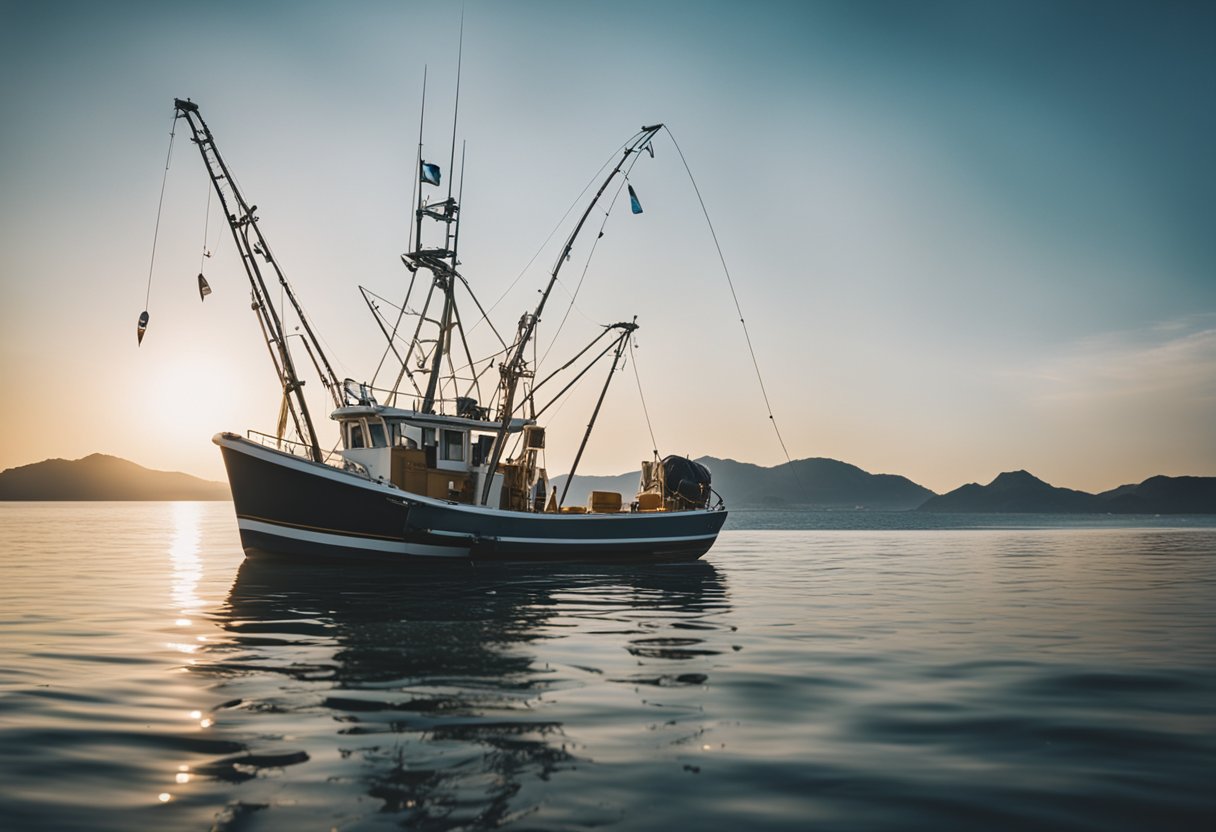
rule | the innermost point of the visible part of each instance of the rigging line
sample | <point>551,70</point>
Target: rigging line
<point>729,282</point>
<point>454,325</point>
<point>159,205</point>
<point>484,315</point>
<point>531,397</point>
<point>273,260</point>
<point>645,411</point>
<point>400,314</point>
<point>206,225</point>
<point>536,386</point>
<point>301,317</point>
<point>560,400</point>
<point>587,265</point>
<point>577,201</point>
<point>391,303</point>
<point>477,374</point>
<point>392,347</point>
<point>574,295</point>
<point>405,366</point>
<point>619,348</point>
<point>474,385</point>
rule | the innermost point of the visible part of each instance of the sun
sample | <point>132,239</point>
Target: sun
<point>195,393</point>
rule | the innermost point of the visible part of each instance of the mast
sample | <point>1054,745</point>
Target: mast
<point>441,262</point>
<point>242,221</point>
<point>516,366</point>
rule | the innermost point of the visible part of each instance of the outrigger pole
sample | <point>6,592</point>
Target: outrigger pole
<point>241,221</point>
<point>627,331</point>
<point>516,367</point>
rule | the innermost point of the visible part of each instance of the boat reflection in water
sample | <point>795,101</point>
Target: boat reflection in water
<point>452,697</point>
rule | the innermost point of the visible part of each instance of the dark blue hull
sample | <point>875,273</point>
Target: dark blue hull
<point>286,505</point>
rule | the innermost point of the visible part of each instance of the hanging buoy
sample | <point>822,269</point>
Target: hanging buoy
<point>203,288</point>
<point>142,327</point>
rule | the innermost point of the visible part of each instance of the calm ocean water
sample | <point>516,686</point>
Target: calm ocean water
<point>875,671</point>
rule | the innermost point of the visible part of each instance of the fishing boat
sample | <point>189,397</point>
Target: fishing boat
<point>442,467</point>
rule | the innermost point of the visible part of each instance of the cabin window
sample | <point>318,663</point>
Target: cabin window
<point>376,431</point>
<point>356,435</point>
<point>482,448</point>
<point>428,436</point>
<point>453,445</point>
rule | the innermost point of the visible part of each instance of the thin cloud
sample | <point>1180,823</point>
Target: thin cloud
<point>1171,362</point>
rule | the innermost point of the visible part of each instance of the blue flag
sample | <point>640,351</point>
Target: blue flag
<point>633,201</point>
<point>430,173</point>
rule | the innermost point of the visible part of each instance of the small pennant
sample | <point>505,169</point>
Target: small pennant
<point>634,205</point>
<point>142,327</point>
<point>203,288</point>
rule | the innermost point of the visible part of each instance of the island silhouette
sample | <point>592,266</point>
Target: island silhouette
<point>828,484</point>
<point>814,484</point>
<point>1022,492</point>
<point>104,477</point>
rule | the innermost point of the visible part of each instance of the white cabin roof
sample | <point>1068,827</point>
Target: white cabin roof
<point>426,419</point>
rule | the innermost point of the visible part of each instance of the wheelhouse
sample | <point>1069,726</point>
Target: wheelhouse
<point>445,457</point>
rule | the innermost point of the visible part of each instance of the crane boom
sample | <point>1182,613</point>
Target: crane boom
<point>243,223</point>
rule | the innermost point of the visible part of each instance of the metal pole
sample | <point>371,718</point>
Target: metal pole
<point>620,348</point>
<point>512,371</point>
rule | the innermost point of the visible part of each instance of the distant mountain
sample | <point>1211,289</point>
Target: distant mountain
<point>102,477</point>
<point>1164,495</point>
<point>1019,491</point>
<point>1014,491</point>
<point>805,483</point>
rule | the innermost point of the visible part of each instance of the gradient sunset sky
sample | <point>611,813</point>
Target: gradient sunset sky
<point>968,237</point>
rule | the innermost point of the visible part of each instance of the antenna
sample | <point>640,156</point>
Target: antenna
<point>456,108</point>
<point>459,200</point>
<point>417,218</point>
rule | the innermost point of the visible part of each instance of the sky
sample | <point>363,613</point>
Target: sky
<point>966,237</point>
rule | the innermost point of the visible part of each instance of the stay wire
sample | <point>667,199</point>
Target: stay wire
<point>401,312</point>
<point>160,205</point>
<point>573,295</point>
<point>590,183</point>
<point>202,260</point>
<point>645,411</point>
<point>590,255</point>
<point>729,282</point>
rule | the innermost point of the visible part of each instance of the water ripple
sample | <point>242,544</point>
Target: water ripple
<point>882,676</point>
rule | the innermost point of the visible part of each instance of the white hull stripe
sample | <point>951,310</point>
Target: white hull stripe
<point>579,541</point>
<point>403,548</point>
<point>350,542</point>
